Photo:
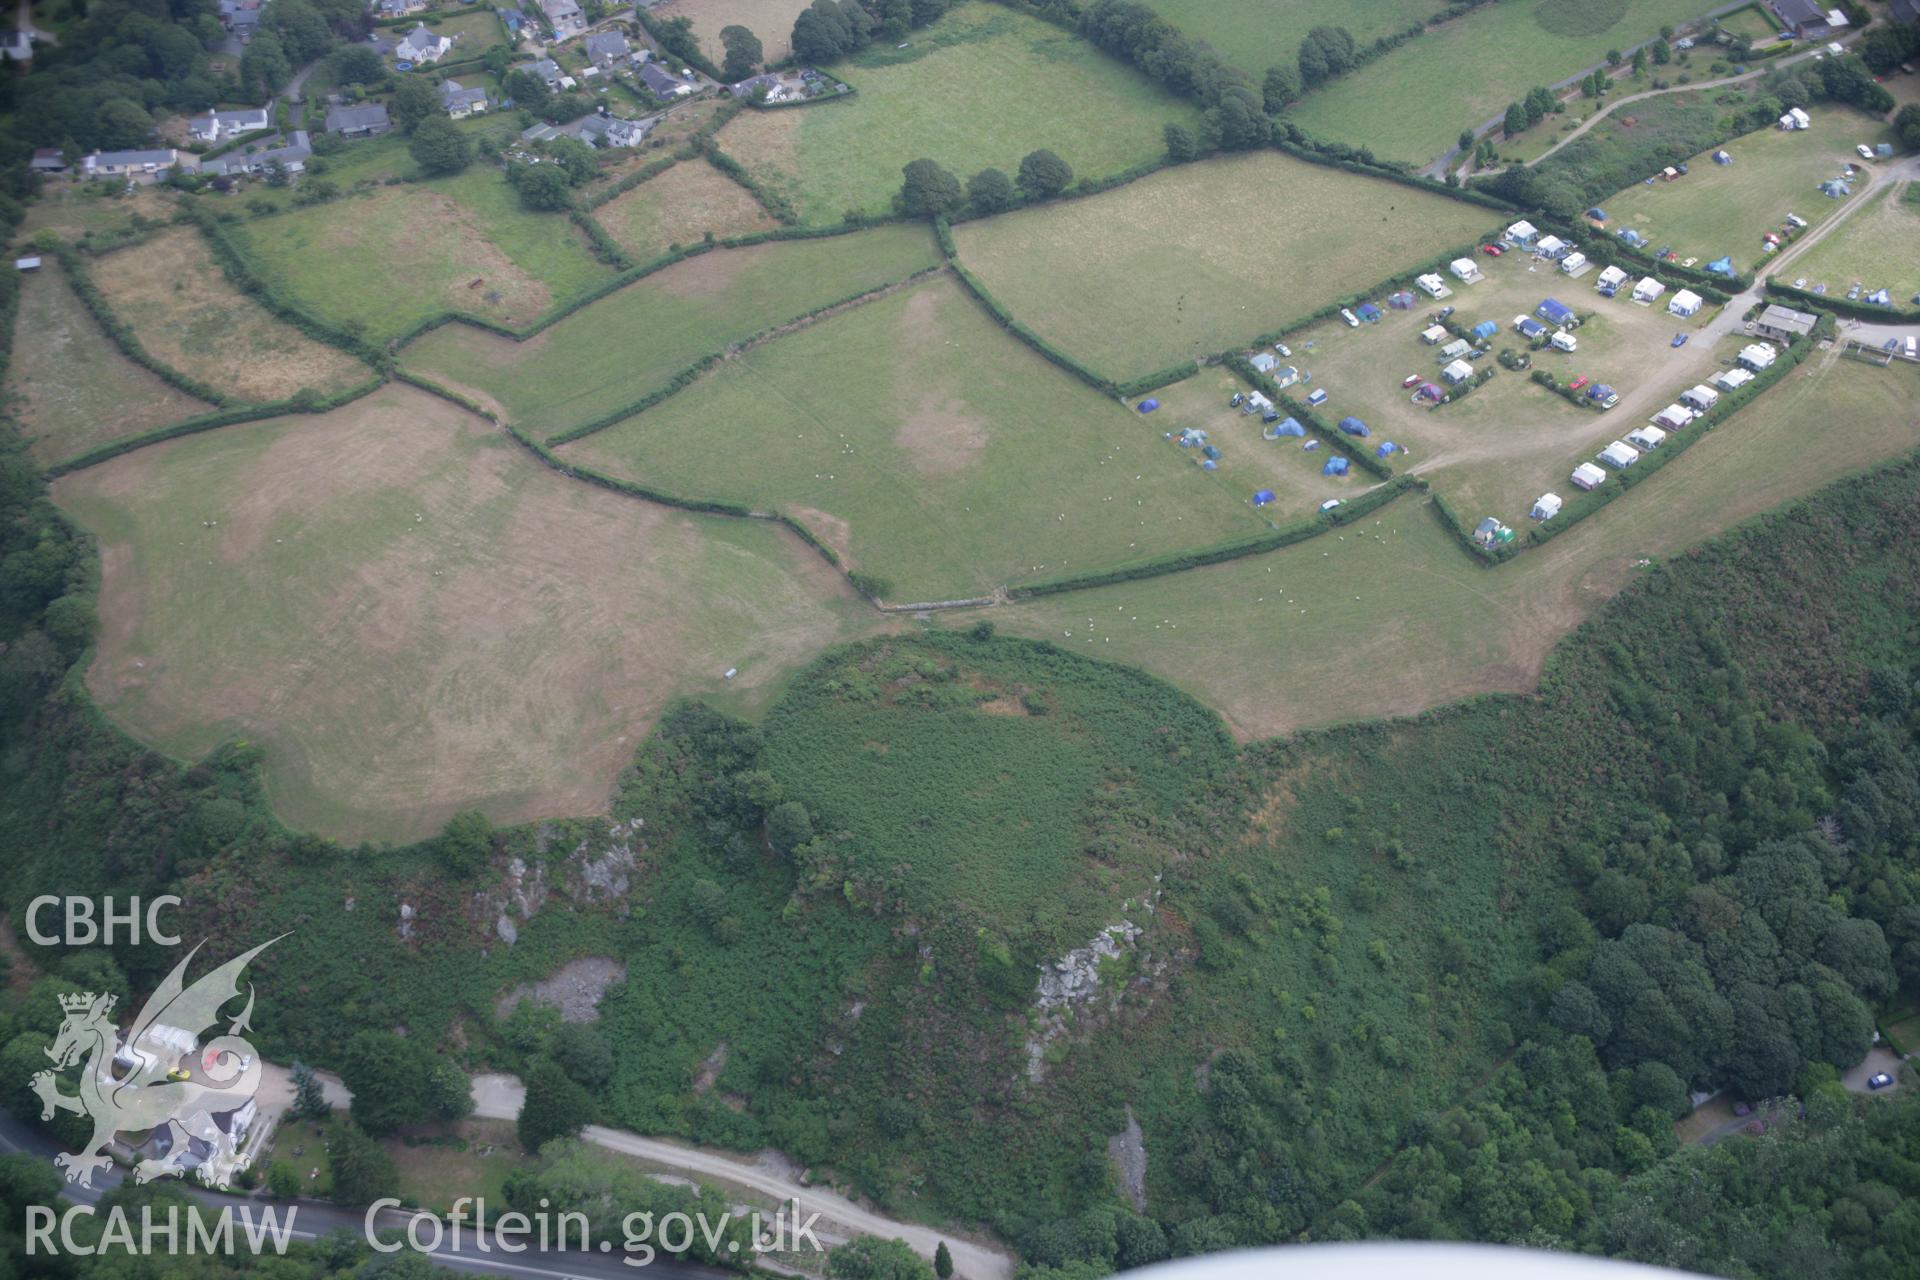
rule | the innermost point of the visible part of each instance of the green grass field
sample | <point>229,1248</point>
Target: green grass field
<point>1724,209</point>
<point>930,450</point>
<point>472,34</point>
<point>1412,104</point>
<point>1257,34</point>
<point>1875,247</point>
<point>627,344</point>
<point>983,86</point>
<point>1198,259</point>
<point>1390,616</point>
<point>72,389</point>
<point>381,261</point>
<point>412,616</point>
<point>1760,27</point>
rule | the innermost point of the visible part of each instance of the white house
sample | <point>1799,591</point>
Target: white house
<point>1734,379</point>
<point>421,47</point>
<point>1265,361</point>
<point>1701,397</point>
<point>1551,247</point>
<point>216,125</point>
<point>1522,232</point>
<point>1433,285</point>
<point>1588,476</point>
<point>1757,356</point>
<point>1547,505</point>
<point>135,166</point>
<point>1619,454</point>
<point>1610,281</point>
<point>1685,303</point>
<point>1465,270</point>
<point>1457,372</point>
<point>609,131</point>
<point>565,17</point>
<point>461,101</point>
<point>1574,263</point>
<point>1563,341</point>
<point>1433,335</point>
<point>1648,290</point>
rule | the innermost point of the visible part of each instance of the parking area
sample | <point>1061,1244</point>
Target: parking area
<point>1510,440</point>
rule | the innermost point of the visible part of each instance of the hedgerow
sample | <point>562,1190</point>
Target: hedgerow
<point>241,274</point>
<point>209,421</point>
<point>1329,435</point>
<point>122,335</point>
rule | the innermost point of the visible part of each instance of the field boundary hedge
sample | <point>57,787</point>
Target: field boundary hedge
<point>1717,289</point>
<point>646,173</point>
<point>698,61</point>
<point>122,336</point>
<point>1331,436</point>
<point>210,421</point>
<point>778,207</point>
<point>240,273</point>
<point>1006,319</point>
<point>1175,562</point>
<point>688,375</point>
<point>1840,306</point>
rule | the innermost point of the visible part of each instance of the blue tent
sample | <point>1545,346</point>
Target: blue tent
<point>1368,312</point>
<point>1209,465</point>
<point>1287,427</point>
<point>1485,329</point>
<point>1263,497</point>
<point>1721,266</point>
<point>1721,157</point>
<point>1210,451</point>
<point>1148,406</point>
<point>1386,450</point>
<point>1354,427</point>
<point>1633,237</point>
<point>1530,328</point>
<point>1597,214</point>
<point>1334,467</point>
<point>1554,311</point>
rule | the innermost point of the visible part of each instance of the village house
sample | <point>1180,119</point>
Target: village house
<point>607,132</point>
<point>363,121</point>
<point>49,160</point>
<point>776,90</point>
<point>215,125</point>
<point>292,155</point>
<point>565,17</point>
<point>422,47</point>
<point>1783,324</point>
<point>387,10</point>
<point>607,49</point>
<point>550,74</point>
<point>665,86</point>
<point>461,102</point>
<point>1807,19</point>
<point>136,166</point>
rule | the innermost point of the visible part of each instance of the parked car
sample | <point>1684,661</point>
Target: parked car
<point>1866,152</point>
<point>1579,382</point>
<point>1413,378</point>
<point>1283,348</point>
<point>1679,339</point>
<point>1445,312</point>
<point>1880,1081</point>
<point>1330,504</point>
<point>1492,250</point>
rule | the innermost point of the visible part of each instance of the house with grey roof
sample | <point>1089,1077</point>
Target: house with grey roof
<point>549,72</point>
<point>665,85</point>
<point>390,9</point>
<point>460,101</point>
<point>1805,18</point>
<point>422,47</point>
<point>362,121</point>
<point>565,17</point>
<point>608,132</point>
<point>136,166</point>
<point>292,155</point>
<point>216,125</point>
<point>607,48</point>
<point>49,160</point>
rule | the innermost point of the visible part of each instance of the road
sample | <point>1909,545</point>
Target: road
<point>471,1253</point>
<point>1439,169</point>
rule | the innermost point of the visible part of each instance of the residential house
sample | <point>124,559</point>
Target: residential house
<point>362,121</point>
<point>422,47</point>
<point>607,131</point>
<point>292,155</point>
<point>514,20</point>
<point>776,89</point>
<point>216,125</point>
<point>666,86</point>
<point>1807,19</point>
<point>607,49</point>
<point>549,72</point>
<point>136,166</point>
<point>565,18</point>
<point>1783,324</point>
<point>49,160</point>
<point>391,9</point>
<point>1904,11</point>
<point>460,101</point>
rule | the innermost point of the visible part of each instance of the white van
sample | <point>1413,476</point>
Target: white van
<point>1913,348</point>
<point>1353,321</point>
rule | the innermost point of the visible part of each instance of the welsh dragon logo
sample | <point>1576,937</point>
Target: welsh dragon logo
<point>156,1094</point>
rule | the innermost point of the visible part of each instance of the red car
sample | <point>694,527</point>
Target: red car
<point>1579,382</point>
<point>1409,380</point>
<point>1492,250</point>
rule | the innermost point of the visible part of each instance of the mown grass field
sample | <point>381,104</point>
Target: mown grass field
<point>1412,104</point>
<point>1391,617</point>
<point>930,450</point>
<point>1875,248</point>
<point>620,348</point>
<point>1257,34</point>
<point>983,86</point>
<point>472,34</point>
<point>681,206</point>
<point>180,305</point>
<point>771,20</point>
<point>72,388</point>
<point>414,617</point>
<point>381,261</point>
<point>1724,209</point>
<point>1198,259</point>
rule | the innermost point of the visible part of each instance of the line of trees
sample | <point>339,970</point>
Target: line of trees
<point>829,30</point>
